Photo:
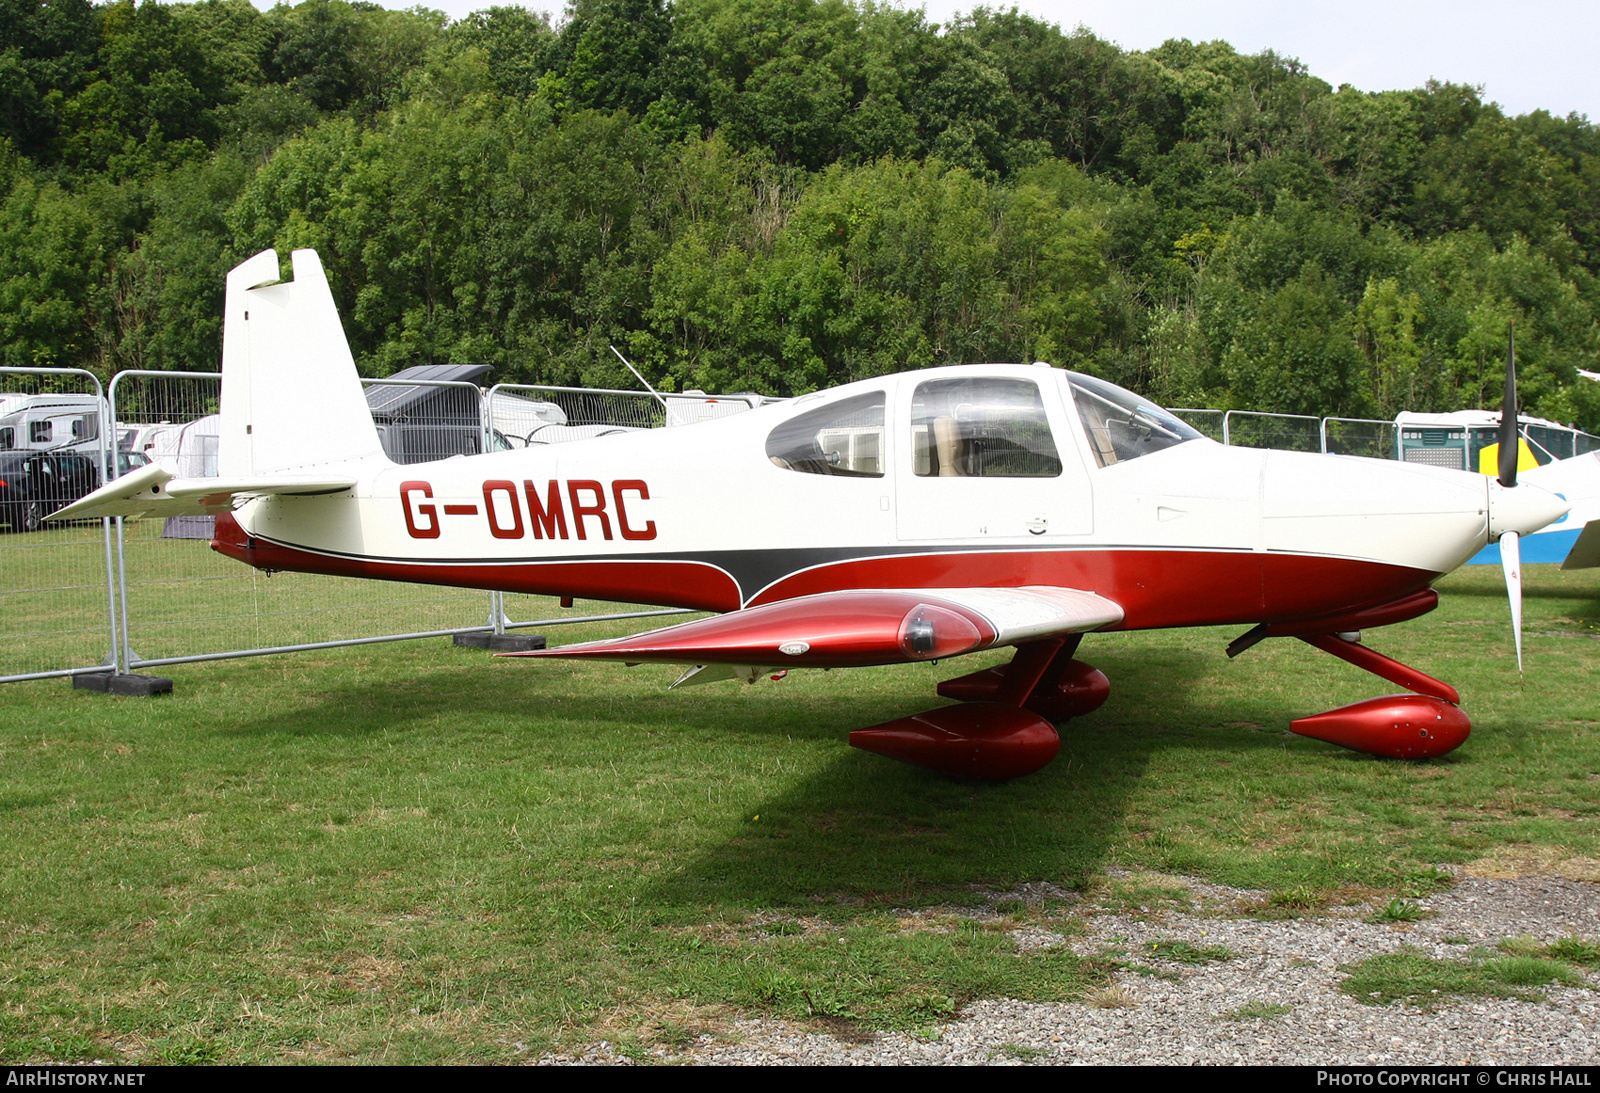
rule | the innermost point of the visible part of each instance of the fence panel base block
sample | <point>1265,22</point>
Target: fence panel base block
<point>500,643</point>
<point>112,683</point>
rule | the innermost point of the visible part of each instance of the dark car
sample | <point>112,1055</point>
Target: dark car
<point>128,460</point>
<point>35,484</point>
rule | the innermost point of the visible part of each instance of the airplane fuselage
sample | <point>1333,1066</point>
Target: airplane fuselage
<point>904,486</point>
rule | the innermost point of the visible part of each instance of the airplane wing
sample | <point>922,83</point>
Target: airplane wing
<point>1577,480</point>
<point>1585,552</point>
<point>154,490</point>
<point>855,628</point>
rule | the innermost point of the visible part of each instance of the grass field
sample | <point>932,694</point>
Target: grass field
<point>416,853</point>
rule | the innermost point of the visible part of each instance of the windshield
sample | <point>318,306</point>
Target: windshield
<point>1120,424</point>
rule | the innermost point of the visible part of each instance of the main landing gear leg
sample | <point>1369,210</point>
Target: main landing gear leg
<point>1415,726</point>
<point>1001,729</point>
<point>1068,688</point>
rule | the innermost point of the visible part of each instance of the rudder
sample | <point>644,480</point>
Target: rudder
<point>291,398</point>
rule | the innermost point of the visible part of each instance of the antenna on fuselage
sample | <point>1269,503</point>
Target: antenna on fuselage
<point>639,377</point>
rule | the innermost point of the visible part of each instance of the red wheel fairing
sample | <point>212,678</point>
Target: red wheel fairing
<point>975,740</point>
<point>1392,727</point>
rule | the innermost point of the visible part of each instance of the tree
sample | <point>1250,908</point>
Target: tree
<point>611,49</point>
<point>151,99</point>
<point>1087,100</point>
<point>47,48</point>
<point>350,56</point>
<point>517,44</point>
<point>1295,350</point>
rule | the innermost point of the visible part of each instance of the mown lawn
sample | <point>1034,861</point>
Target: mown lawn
<point>416,853</point>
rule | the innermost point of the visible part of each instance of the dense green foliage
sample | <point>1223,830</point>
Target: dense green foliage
<point>783,194</point>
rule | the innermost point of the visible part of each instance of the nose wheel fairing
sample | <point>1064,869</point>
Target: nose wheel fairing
<point>1391,727</point>
<point>1424,725</point>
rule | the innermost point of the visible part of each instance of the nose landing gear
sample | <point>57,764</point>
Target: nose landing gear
<point>1415,726</point>
<point>1392,727</point>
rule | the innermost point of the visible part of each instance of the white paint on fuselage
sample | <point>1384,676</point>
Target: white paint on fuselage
<point>1421,517</point>
<point>711,488</point>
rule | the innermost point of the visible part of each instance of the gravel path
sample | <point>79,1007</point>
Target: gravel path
<point>1275,1000</point>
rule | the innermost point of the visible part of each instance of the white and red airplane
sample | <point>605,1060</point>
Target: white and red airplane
<point>905,518</point>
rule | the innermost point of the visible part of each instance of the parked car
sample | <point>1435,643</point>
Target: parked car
<point>35,484</point>
<point>130,461</point>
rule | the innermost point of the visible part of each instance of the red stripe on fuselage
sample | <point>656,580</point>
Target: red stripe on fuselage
<point>677,584</point>
<point>1155,588</point>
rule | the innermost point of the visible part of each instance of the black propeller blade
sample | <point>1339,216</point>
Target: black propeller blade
<point>1508,415</point>
<point>1510,542</point>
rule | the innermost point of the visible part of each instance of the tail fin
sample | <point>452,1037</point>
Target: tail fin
<point>291,399</point>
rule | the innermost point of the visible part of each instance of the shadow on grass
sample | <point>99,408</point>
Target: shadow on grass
<point>1539,582</point>
<point>869,831</point>
<point>817,823</point>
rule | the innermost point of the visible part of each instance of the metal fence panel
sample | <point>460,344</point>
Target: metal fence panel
<point>185,601</point>
<point>1285,432</point>
<point>1360,436</point>
<point>530,415</point>
<point>1208,422</point>
<point>419,421</point>
<point>57,614</point>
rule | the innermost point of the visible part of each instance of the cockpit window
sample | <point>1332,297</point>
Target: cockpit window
<point>1120,424</point>
<point>842,438</point>
<point>981,427</point>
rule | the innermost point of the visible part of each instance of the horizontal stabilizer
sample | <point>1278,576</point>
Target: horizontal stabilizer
<point>154,490</point>
<point>860,627</point>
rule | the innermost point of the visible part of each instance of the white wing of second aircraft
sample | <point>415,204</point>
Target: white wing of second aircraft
<point>1578,480</point>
